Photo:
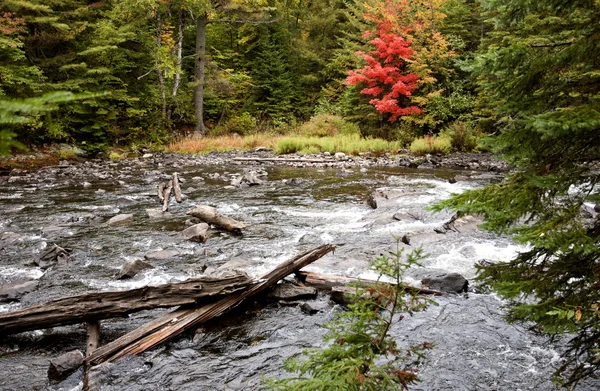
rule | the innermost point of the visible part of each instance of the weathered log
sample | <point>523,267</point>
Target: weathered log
<point>209,214</point>
<point>327,282</point>
<point>174,323</point>
<point>161,190</point>
<point>115,304</point>
<point>167,195</point>
<point>176,188</point>
<point>285,160</point>
<point>93,337</point>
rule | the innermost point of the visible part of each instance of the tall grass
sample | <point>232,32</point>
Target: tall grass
<point>223,143</point>
<point>431,145</point>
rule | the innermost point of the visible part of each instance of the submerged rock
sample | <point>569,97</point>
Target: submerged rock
<point>197,232</point>
<point>292,292</point>
<point>122,219</point>
<point>15,290</point>
<point>63,366</point>
<point>131,268</point>
<point>162,255</point>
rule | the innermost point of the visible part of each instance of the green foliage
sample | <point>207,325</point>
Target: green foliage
<point>361,354</point>
<point>348,143</point>
<point>243,124</point>
<point>539,74</point>
<point>323,125</point>
<point>431,145</point>
<point>462,136</point>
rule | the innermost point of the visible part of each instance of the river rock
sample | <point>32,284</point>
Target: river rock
<point>248,179</point>
<point>131,268</point>
<point>197,232</point>
<point>122,219</point>
<point>446,282</point>
<point>157,213</point>
<point>62,366</point>
<point>292,292</point>
<point>52,256</point>
<point>15,290</point>
<point>384,198</point>
<point>161,255</point>
<point>340,156</point>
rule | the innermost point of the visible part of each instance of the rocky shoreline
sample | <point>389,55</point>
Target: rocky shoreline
<point>480,162</point>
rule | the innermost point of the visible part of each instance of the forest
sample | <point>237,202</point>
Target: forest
<point>520,78</point>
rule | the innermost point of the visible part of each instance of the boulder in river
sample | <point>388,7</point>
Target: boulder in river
<point>197,232</point>
<point>447,282</point>
<point>161,255</point>
<point>131,268</point>
<point>62,366</point>
<point>122,219</point>
<point>52,256</point>
<point>157,213</point>
<point>15,290</point>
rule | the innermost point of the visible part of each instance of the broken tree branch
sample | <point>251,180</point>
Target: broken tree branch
<point>209,215</point>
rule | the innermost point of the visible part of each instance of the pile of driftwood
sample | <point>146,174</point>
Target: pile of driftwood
<point>199,300</point>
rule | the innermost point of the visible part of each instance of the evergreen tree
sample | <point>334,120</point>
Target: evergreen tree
<point>541,70</point>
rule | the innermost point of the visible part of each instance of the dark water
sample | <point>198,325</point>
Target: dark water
<point>474,348</point>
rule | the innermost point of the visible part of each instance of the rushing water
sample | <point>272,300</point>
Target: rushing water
<point>474,348</point>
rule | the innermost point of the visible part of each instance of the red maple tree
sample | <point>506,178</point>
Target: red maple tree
<point>384,73</point>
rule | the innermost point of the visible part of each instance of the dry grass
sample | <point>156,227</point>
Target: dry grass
<point>223,143</point>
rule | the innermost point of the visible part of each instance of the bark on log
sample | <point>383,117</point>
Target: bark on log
<point>114,304</point>
<point>161,190</point>
<point>176,188</point>
<point>326,282</point>
<point>209,214</point>
<point>174,323</point>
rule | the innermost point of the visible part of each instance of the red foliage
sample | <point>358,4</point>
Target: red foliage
<point>384,72</point>
<point>9,24</point>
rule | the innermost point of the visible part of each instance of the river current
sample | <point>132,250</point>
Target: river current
<point>293,210</point>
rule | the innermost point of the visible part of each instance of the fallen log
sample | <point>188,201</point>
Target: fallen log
<point>174,323</point>
<point>176,188</point>
<point>114,304</point>
<point>167,195</point>
<point>209,215</point>
<point>327,282</point>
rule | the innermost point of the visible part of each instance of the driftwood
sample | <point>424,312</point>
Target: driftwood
<point>327,282</point>
<point>165,190</point>
<point>209,215</point>
<point>114,304</point>
<point>285,160</point>
<point>93,337</point>
<point>176,322</point>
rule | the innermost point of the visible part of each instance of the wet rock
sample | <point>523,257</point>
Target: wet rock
<point>122,219</point>
<point>11,237</point>
<point>131,268</point>
<point>161,255</point>
<point>197,232</point>
<point>86,185</point>
<point>15,290</point>
<point>452,180</point>
<point>248,179</point>
<point>192,221</point>
<point>340,156</point>
<point>52,256</point>
<point>384,198</point>
<point>407,216</point>
<point>293,181</point>
<point>342,294</point>
<point>447,282</point>
<point>62,366</point>
<point>157,213</point>
<point>326,154</point>
<point>292,292</point>
<point>307,309</point>
<point>147,155</point>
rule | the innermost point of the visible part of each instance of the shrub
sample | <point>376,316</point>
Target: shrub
<point>288,145</point>
<point>461,135</point>
<point>361,354</point>
<point>323,125</point>
<point>242,124</point>
<point>430,145</point>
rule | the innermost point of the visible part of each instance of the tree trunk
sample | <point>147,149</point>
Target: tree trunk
<point>114,304</point>
<point>160,73</point>
<point>199,130</point>
<point>178,53</point>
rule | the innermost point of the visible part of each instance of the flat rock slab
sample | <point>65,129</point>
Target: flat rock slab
<point>161,255</point>
<point>291,292</point>
<point>197,232</point>
<point>446,282</point>
<point>122,219</point>
<point>131,268</point>
<point>157,213</point>
<point>17,289</point>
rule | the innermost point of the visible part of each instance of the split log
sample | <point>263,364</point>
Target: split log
<point>327,282</point>
<point>167,195</point>
<point>209,214</point>
<point>176,188</point>
<point>284,160</point>
<point>176,322</point>
<point>115,304</point>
